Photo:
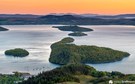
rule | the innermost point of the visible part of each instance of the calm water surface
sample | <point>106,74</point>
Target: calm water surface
<point>38,38</point>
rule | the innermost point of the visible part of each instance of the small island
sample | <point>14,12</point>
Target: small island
<point>73,28</point>
<point>77,34</point>
<point>65,52</point>
<point>3,29</point>
<point>77,31</point>
<point>17,52</point>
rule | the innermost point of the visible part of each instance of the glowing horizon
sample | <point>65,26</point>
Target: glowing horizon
<point>67,6</point>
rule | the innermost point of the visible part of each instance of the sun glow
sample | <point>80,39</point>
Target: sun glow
<point>67,6</point>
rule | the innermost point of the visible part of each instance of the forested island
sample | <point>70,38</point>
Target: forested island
<point>64,52</point>
<point>77,31</point>
<point>73,28</point>
<point>17,52</point>
<point>79,74</point>
<point>77,34</point>
<point>3,29</point>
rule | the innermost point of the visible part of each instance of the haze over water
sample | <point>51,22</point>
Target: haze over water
<point>38,38</point>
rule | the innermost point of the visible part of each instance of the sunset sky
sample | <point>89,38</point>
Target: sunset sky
<point>67,6</point>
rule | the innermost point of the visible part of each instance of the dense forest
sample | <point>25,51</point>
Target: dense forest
<point>17,52</point>
<point>77,74</point>
<point>65,52</point>
<point>11,78</point>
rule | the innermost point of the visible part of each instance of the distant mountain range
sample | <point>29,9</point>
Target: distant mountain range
<point>66,19</point>
<point>98,16</point>
<point>77,15</point>
<point>18,16</point>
